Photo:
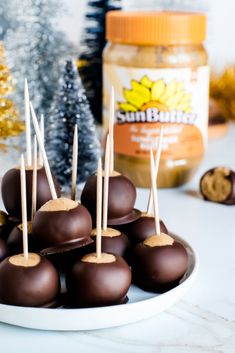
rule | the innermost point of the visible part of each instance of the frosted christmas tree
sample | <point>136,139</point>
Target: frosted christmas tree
<point>7,18</point>
<point>71,107</point>
<point>36,48</point>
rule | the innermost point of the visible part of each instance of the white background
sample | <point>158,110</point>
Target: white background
<point>221,29</point>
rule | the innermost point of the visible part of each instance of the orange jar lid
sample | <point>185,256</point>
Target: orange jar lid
<point>155,28</point>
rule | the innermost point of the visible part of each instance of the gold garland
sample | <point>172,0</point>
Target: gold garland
<point>10,124</point>
<point>222,89</point>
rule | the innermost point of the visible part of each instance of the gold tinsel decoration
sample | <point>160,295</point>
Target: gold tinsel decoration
<point>222,89</point>
<point>10,124</point>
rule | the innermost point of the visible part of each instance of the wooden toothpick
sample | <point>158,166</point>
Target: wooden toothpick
<point>154,191</point>
<point>43,152</point>
<point>99,209</point>
<point>24,207</point>
<point>27,124</point>
<point>74,163</point>
<point>106,183</point>
<point>158,156</point>
<point>111,125</point>
<point>34,185</point>
<point>40,159</point>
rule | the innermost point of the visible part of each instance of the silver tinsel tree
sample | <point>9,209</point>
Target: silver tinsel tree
<point>8,20</point>
<point>71,107</point>
<point>35,50</point>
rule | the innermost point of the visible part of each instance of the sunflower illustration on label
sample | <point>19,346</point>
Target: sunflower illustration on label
<point>155,101</point>
<point>147,98</point>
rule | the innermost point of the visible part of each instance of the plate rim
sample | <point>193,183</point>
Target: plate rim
<point>175,293</point>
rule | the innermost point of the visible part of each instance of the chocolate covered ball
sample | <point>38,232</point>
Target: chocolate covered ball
<point>61,225</point>
<point>11,190</point>
<point>3,250</point>
<point>218,125</point>
<point>218,185</point>
<point>113,241</point>
<point>6,225</point>
<point>142,228</point>
<point>121,198</point>
<point>94,282</point>
<point>32,282</point>
<point>15,240</point>
<point>159,263</point>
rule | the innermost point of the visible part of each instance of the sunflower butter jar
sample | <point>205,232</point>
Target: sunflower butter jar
<point>158,67</point>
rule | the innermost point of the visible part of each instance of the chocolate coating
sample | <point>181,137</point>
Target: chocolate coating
<point>141,229</point>
<point>6,225</point>
<point>3,250</point>
<point>15,242</point>
<point>215,114</point>
<point>159,268</point>
<point>225,198</point>
<point>118,245</point>
<point>93,285</point>
<point>11,191</point>
<point>129,218</point>
<point>121,199</point>
<point>36,286</point>
<point>62,228</point>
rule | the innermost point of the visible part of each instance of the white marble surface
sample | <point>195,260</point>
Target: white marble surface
<point>204,321</point>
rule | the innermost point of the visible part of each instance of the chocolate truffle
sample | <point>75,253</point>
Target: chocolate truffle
<point>113,241</point>
<point>218,185</point>
<point>121,199</point>
<point>159,263</point>
<point>142,228</point>
<point>11,190</point>
<point>6,225</point>
<point>15,240</point>
<point>32,282</point>
<point>94,282</point>
<point>218,125</point>
<point>3,250</point>
<point>61,225</point>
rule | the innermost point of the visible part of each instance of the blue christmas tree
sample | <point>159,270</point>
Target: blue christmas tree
<point>35,49</point>
<point>71,107</point>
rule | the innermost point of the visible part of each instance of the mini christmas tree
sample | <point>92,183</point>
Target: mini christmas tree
<point>36,48</point>
<point>10,124</point>
<point>90,59</point>
<point>7,18</point>
<point>71,107</point>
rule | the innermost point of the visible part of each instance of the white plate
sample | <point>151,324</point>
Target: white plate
<point>141,305</point>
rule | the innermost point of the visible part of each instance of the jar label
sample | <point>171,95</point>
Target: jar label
<point>147,98</point>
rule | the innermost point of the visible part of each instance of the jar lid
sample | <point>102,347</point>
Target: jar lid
<point>155,28</point>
